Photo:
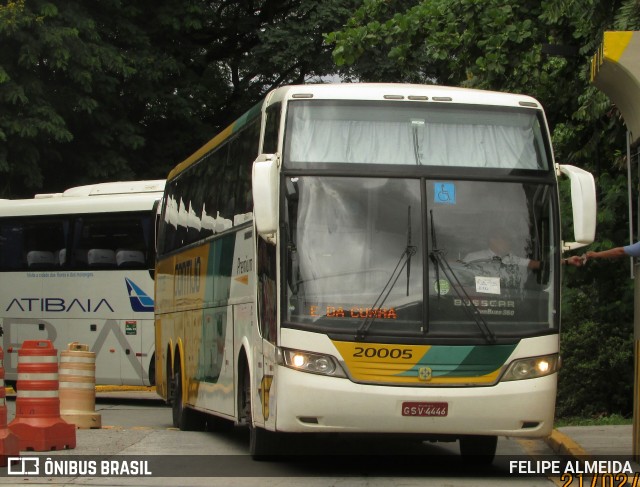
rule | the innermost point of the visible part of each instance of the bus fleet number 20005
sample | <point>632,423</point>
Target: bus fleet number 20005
<point>383,352</point>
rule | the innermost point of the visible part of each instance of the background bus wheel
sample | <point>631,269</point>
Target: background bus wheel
<point>479,450</point>
<point>184,418</point>
<point>152,371</point>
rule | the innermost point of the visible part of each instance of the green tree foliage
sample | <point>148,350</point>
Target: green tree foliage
<point>60,92</point>
<point>543,49</point>
<point>597,319</point>
<point>110,89</point>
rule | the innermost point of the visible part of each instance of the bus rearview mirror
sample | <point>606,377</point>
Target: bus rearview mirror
<point>583,202</point>
<point>265,195</point>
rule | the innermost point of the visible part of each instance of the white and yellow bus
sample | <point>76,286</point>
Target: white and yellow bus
<point>318,268</point>
<point>78,267</point>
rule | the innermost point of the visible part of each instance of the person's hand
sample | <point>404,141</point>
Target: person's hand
<point>589,255</point>
<point>576,260</point>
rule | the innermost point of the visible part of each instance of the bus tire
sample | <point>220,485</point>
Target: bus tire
<point>152,371</point>
<point>478,450</point>
<point>184,418</point>
<point>168,380</point>
<point>263,444</point>
<point>216,424</point>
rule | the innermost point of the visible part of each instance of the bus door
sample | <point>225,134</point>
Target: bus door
<point>101,336</point>
<point>106,322</point>
<point>267,331</point>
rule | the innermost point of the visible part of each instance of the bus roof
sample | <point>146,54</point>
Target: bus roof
<point>58,205</point>
<point>111,188</point>
<point>400,92</point>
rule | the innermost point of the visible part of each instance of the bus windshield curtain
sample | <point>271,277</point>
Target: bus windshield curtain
<point>411,143</point>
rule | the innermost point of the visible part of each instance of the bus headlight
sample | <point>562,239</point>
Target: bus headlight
<point>314,363</point>
<point>531,368</point>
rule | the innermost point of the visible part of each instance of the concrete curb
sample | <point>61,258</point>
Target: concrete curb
<point>105,388</point>
<point>565,445</point>
<point>10,391</point>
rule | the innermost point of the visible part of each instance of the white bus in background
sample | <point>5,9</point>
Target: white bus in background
<point>78,267</point>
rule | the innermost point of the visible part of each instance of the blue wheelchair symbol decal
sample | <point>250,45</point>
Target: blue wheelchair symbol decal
<point>444,193</point>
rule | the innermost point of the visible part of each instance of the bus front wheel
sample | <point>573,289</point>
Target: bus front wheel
<point>479,450</point>
<point>263,444</point>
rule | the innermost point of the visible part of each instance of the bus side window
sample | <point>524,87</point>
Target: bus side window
<point>167,228</point>
<point>271,129</point>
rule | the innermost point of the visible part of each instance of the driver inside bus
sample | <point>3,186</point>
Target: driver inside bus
<point>499,250</point>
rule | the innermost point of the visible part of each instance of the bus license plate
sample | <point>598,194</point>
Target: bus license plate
<point>429,409</point>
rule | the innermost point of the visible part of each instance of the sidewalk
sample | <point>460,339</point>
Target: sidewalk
<point>584,441</point>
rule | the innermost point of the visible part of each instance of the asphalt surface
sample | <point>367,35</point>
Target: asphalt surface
<point>581,443</point>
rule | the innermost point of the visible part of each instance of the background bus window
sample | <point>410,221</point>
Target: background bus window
<point>121,242</point>
<point>31,245</point>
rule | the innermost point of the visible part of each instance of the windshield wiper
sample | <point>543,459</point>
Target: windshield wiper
<point>406,255</point>
<point>386,290</point>
<point>437,257</point>
<point>415,125</point>
<point>434,242</point>
<point>409,246</point>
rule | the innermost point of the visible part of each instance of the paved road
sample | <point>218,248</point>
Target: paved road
<point>142,430</point>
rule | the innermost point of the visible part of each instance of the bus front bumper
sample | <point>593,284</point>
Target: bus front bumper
<point>314,403</point>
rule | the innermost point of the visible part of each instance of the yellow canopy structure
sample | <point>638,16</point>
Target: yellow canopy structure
<point>615,70</point>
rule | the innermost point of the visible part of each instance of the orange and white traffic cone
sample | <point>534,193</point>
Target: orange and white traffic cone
<point>37,423</point>
<point>77,380</point>
<point>9,442</point>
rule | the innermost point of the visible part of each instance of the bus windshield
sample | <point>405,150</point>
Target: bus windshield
<point>364,255</point>
<point>414,133</point>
